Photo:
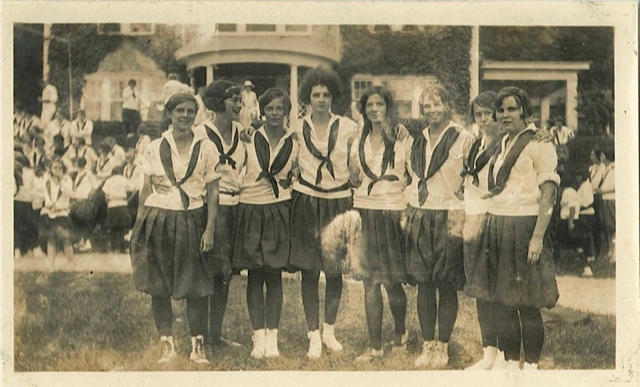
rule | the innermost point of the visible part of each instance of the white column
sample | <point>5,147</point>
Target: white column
<point>571,105</point>
<point>545,110</point>
<point>209,74</point>
<point>474,66</point>
<point>293,93</point>
<point>45,51</point>
<point>105,100</point>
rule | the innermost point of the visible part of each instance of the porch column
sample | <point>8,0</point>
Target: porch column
<point>209,77</point>
<point>474,66</point>
<point>571,105</point>
<point>545,110</point>
<point>105,100</point>
<point>293,93</point>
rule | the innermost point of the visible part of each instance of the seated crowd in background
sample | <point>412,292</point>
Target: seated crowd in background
<point>71,194</point>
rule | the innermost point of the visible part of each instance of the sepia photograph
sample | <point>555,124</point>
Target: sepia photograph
<point>422,189</point>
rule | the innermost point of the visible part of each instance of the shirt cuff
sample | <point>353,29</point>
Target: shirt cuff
<point>551,176</point>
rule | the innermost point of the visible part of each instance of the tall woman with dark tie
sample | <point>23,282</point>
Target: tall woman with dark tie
<point>223,98</point>
<point>262,229</point>
<point>378,163</point>
<point>174,228</point>
<point>320,193</point>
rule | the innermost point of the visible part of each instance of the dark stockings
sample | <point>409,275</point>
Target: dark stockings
<point>264,311</point>
<point>311,299</point>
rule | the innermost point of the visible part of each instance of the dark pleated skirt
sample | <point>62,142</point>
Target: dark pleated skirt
<point>25,226</point>
<point>382,258</point>
<point>609,215</point>
<point>223,238</point>
<point>166,254</point>
<point>434,247</point>
<point>118,218</point>
<point>309,216</point>
<point>502,273</point>
<point>475,228</point>
<point>58,230</point>
<point>262,237</point>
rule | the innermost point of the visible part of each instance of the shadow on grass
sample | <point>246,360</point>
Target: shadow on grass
<point>99,322</point>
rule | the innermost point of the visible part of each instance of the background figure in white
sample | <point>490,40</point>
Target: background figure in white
<point>82,127</point>
<point>60,126</point>
<point>561,134</point>
<point>203,113</point>
<point>173,86</point>
<point>48,99</point>
<point>250,111</point>
<point>131,104</point>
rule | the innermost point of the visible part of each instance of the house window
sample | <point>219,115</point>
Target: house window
<point>296,28</point>
<point>109,28</point>
<point>141,28</point>
<point>410,28</point>
<point>261,28</point>
<point>226,27</point>
<point>381,28</point>
<point>359,87</point>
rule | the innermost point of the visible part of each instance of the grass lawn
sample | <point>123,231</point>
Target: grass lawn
<point>95,322</point>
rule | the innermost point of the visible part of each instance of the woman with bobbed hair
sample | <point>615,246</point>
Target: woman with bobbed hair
<point>516,267</point>
<point>262,225</point>
<point>320,193</point>
<point>174,228</point>
<point>378,164</point>
<point>224,99</point>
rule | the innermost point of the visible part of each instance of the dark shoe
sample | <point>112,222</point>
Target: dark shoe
<point>223,342</point>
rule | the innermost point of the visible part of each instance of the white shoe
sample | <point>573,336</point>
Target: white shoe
<point>329,338</point>
<point>500,363</point>
<point>259,342</point>
<point>440,356</point>
<point>428,350</point>
<point>369,355</point>
<point>197,350</point>
<point>487,361</point>
<point>315,344</point>
<point>86,246</point>
<point>513,365</point>
<point>587,272</point>
<point>168,349</point>
<point>271,346</point>
<point>530,366</point>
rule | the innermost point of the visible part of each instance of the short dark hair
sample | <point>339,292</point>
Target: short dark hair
<point>132,82</point>
<point>486,99</point>
<point>270,95</point>
<point>80,162</point>
<point>609,153</point>
<point>521,97</point>
<point>177,99</point>
<point>215,93</point>
<point>319,76</point>
<point>440,92</point>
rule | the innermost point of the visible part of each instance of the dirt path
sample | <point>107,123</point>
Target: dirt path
<point>589,295</point>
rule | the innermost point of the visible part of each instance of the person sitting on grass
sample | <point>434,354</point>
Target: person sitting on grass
<point>118,219</point>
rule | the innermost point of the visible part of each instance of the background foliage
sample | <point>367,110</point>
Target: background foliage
<point>441,51</point>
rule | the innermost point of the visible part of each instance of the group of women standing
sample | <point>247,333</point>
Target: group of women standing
<point>214,203</point>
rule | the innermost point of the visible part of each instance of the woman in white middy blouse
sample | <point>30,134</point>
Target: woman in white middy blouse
<point>378,164</point>
<point>175,226</point>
